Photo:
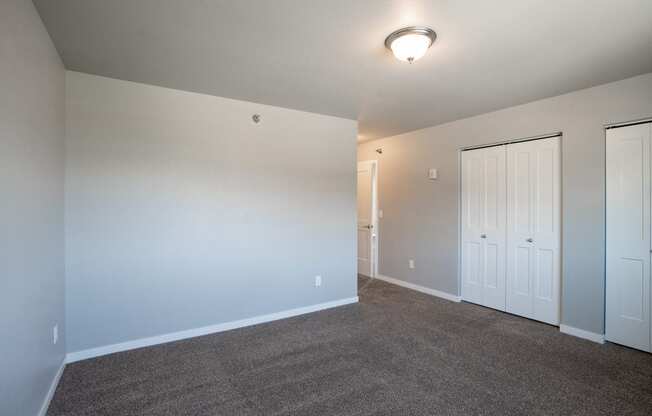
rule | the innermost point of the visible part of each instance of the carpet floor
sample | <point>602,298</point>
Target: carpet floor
<point>397,352</point>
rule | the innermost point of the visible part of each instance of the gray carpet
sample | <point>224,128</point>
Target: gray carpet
<point>397,352</point>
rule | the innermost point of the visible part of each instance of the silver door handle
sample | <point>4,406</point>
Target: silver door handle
<point>483,235</point>
<point>529,240</point>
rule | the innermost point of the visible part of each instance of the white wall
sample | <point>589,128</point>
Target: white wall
<point>181,212</point>
<point>31,209</point>
<point>421,216</point>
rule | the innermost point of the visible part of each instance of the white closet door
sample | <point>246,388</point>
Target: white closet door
<point>628,236</point>
<point>472,191</point>
<point>484,226</point>
<point>534,229</point>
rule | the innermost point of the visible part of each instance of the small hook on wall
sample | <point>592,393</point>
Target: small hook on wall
<point>256,118</point>
<point>379,150</point>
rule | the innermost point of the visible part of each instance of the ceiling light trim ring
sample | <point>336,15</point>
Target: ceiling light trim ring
<point>410,30</point>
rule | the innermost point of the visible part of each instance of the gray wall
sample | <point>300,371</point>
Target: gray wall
<point>181,212</point>
<point>421,216</point>
<point>31,209</point>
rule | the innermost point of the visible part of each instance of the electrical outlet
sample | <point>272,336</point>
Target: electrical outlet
<point>55,334</point>
<point>411,264</point>
<point>317,281</point>
<point>380,213</point>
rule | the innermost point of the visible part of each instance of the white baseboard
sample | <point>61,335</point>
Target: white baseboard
<point>53,388</point>
<point>423,289</point>
<point>71,357</point>
<point>580,333</point>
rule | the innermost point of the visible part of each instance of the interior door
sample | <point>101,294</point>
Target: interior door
<point>534,229</point>
<point>484,226</point>
<point>366,177</point>
<point>628,236</point>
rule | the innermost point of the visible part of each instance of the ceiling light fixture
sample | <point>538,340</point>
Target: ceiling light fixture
<point>410,43</point>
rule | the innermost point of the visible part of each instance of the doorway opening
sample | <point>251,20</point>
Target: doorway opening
<point>367,220</point>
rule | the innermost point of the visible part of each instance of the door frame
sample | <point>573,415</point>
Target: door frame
<point>375,231</point>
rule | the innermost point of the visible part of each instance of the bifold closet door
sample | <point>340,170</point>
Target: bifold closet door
<point>483,226</point>
<point>627,312</point>
<point>534,229</point>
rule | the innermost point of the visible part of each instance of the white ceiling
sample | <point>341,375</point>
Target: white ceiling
<point>327,56</point>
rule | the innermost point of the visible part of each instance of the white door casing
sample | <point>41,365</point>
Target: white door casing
<point>627,314</point>
<point>534,229</point>
<point>484,226</point>
<point>367,221</point>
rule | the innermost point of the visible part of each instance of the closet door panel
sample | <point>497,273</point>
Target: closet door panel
<point>628,236</point>
<point>520,256</point>
<point>522,184</point>
<point>483,226</point>
<point>534,229</point>
<point>472,218</point>
<point>522,272</point>
<point>547,235</point>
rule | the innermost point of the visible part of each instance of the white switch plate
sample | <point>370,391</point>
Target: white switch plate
<point>380,213</point>
<point>317,281</point>
<point>411,264</point>
<point>55,334</point>
<point>432,173</point>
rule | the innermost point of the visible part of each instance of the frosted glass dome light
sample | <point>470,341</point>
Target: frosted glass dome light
<point>410,43</point>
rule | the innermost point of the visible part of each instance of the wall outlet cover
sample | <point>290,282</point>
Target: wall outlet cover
<point>317,281</point>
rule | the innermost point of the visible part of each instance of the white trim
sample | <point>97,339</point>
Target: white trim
<point>375,240</point>
<point>71,357</point>
<point>53,388</point>
<point>580,333</point>
<point>422,289</point>
<point>459,224</point>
